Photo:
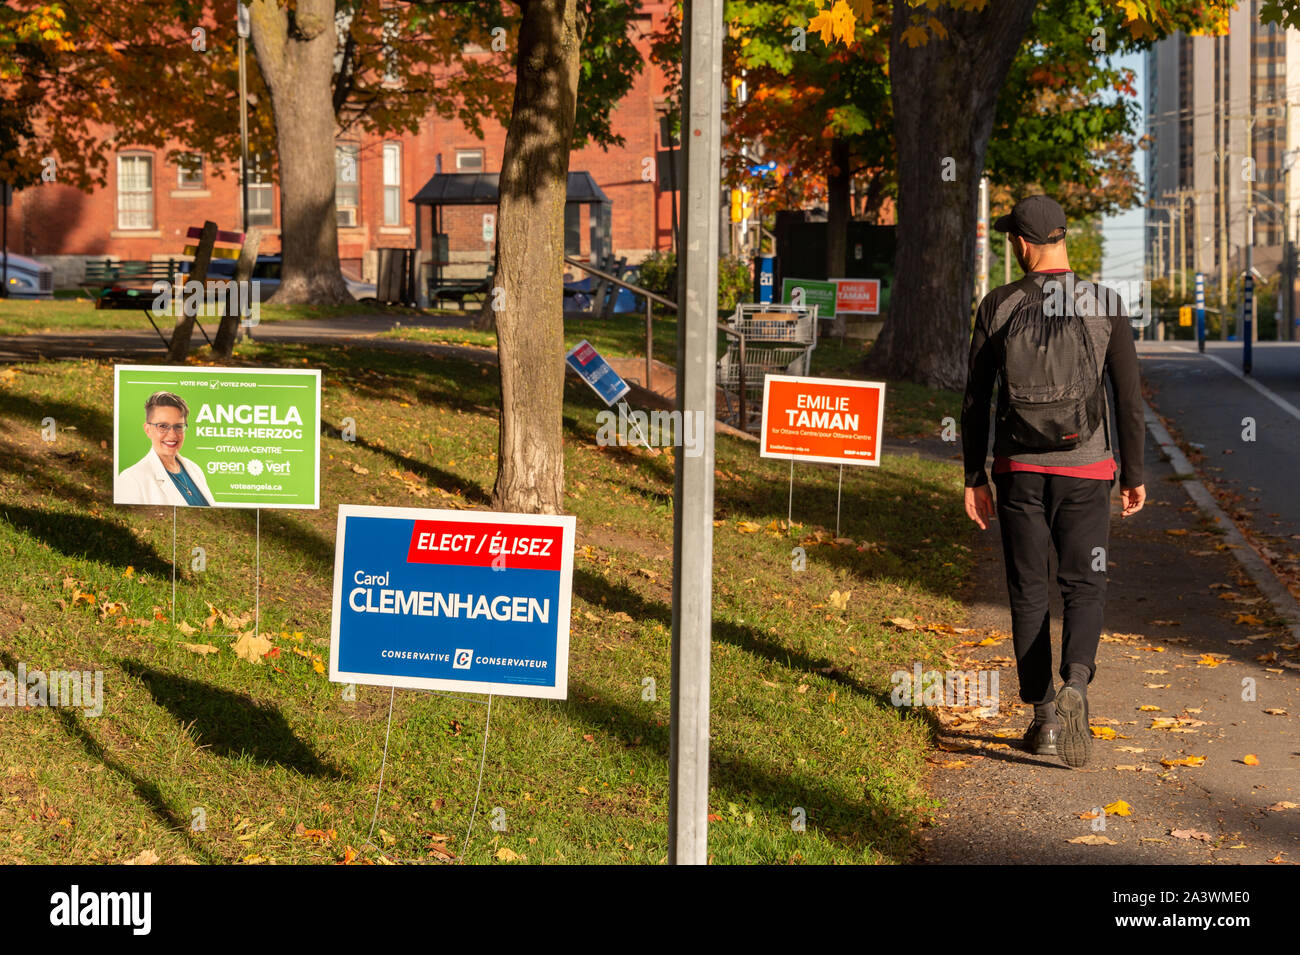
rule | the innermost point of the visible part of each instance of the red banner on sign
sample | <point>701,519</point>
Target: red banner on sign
<point>831,420</point>
<point>476,544</point>
<point>857,295</point>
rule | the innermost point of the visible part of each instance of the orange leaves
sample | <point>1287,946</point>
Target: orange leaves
<point>835,23</point>
<point>1184,761</point>
<point>315,835</point>
<point>915,36</point>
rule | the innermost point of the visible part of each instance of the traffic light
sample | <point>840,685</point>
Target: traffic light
<point>1185,316</point>
<point>746,205</point>
<point>737,206</point>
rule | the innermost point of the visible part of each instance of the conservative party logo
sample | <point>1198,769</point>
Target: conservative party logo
<point>462,659</point>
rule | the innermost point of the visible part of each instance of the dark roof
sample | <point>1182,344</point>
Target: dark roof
<point>481,188</point>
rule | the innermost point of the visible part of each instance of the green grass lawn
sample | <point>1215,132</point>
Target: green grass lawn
<point>19,317</point>
<point>279,767</point>
<point>619,336</point>
<point>623,336</point>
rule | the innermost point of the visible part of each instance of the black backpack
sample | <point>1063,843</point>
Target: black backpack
<point>1055,396</point>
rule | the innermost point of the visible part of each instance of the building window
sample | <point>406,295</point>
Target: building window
<point>469,160</point>
<point>261,193</point>
<point>189,171</point>
<point>392,184</point>
<point>135,191</point>
<point>346,189</point>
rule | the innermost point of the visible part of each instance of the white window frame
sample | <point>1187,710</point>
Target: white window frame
<point>143,216</point>
<point>462,153</point>
<point>261,183</point>
<point>181,182</point>
<point>393,183</point>
<point>348,212</point>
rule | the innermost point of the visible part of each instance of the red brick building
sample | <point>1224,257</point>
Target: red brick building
<point>150,201</point>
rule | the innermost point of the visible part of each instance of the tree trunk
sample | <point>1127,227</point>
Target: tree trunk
<point>838,179</point>
<point>944,93</point>
<point>295,52</point>
<point>528,297</point>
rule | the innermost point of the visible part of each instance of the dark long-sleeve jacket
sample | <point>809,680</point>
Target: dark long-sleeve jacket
<point>1109,333</point>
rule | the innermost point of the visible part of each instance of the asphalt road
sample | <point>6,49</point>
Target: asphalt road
<point>1207,404</point>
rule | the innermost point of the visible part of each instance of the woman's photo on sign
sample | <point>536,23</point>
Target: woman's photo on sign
<point>163,475</point>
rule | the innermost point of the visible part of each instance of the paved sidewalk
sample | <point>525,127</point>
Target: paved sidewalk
<point>1165,610</point>
<point>144,342</point>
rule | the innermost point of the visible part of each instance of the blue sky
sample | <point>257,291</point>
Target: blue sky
<point>1123,251</point>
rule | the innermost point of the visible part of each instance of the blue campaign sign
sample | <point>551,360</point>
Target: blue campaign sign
<point>452,600</point>
<point>596,372</point>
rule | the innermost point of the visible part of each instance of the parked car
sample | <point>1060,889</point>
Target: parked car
<point>29,278</point>
<point>266,274</point>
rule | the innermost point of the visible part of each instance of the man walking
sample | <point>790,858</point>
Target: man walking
<point>1049,342</point>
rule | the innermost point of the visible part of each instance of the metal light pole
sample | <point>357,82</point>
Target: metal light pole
<point>697,348</point>
<point>982,241</point>
<point>244,29</point>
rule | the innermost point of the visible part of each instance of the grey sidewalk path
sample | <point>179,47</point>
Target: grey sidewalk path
<point>144,343</point>
<point>1004,805</point>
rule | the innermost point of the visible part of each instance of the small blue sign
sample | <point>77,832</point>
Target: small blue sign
<point>596,372</point>
<point>765,269</point>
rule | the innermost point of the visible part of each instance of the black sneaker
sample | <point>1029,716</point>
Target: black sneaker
<point>1040,738</point>
<point>1074,742</point>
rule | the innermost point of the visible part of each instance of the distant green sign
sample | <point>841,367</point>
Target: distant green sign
<point>815,292</point>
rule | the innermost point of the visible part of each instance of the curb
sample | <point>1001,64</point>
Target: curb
<point>1281,600</point>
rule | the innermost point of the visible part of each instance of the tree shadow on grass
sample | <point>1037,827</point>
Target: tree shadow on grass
<point>433,475</point>
<point>594,589</point>
<point>858,823</point>
<point>95,424</point>
<point>86,537</point>
<point>149,793</point>
<point>229,724</point>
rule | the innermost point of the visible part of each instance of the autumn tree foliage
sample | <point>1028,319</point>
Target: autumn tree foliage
<point>949,62</point>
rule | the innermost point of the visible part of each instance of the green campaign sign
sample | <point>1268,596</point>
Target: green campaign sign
<point>815,292</point>
<point>216,437</point>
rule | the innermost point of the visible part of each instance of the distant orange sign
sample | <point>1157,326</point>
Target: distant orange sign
<point>861,296</point>
<point>831,420</point>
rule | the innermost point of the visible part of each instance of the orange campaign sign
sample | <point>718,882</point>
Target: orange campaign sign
<point>830,420</point>
<point>859,296</point>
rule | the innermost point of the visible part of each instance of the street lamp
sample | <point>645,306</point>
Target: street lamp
<point>244,31</point>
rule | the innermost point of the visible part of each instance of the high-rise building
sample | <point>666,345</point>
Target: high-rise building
<point>1217,119</point>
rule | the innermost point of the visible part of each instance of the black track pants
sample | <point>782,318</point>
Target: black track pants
<point>1039,512</point>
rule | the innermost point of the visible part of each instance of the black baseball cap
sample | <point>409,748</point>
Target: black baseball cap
<point>1034,219</point>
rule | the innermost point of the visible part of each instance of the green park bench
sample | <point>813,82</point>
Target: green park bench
<point>460,290</point>
<point>127,284</point>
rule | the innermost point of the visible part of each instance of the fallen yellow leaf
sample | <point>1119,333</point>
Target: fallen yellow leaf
<point>1118,808</point>
<point>250,647</point>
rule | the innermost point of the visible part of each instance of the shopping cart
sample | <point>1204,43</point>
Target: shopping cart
<point>779,339</point>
